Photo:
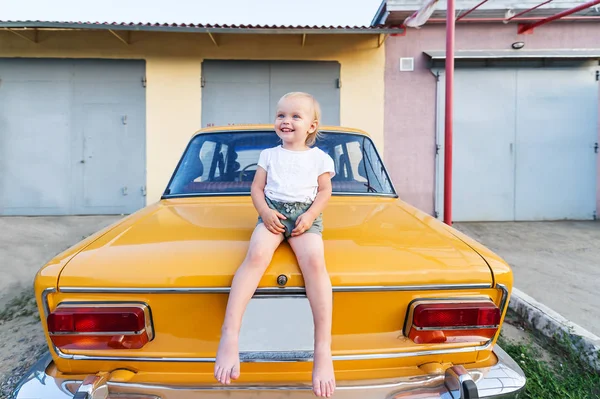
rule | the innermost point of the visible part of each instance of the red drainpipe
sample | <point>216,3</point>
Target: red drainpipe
<point>528,27</point>
<point>450,25</point>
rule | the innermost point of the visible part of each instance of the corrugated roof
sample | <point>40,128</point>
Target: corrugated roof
<point>189,27</point>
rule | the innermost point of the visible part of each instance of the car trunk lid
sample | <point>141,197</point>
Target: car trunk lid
<point>180,260</point>
<point>201,243</point>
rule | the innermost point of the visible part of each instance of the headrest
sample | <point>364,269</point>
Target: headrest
<point>199,168</point>
<point>362,169</point>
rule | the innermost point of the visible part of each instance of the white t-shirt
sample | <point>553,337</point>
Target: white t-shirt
<point>292,176</point>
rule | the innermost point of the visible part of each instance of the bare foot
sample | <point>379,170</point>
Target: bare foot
<point>227,364</point>
<point>323,376</point>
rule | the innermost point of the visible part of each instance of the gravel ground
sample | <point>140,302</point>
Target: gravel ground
<point>27,243</point>
<point>22,341</point>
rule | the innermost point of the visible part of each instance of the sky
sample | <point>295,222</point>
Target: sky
<point>263,12</point>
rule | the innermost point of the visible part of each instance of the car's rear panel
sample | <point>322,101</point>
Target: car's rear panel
<point>367,330</point>
<point>179,262</point>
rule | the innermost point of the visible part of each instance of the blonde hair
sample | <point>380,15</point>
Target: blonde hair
<point>312,137</point>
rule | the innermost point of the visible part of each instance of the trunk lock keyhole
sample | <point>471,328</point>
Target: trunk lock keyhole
<point>282,280</point>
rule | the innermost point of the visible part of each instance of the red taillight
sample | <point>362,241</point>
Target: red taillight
<point>104,319</point>
<point>437,322</point>
<point>100,326</point>
<point>456,315</point>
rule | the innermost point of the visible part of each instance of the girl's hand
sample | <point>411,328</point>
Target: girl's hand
<point>271,221</point>
<point>303,223</point>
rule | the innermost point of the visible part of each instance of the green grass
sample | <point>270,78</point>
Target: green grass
<point>566,376</point>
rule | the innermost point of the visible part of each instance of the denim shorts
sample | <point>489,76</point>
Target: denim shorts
<point>293,210</point>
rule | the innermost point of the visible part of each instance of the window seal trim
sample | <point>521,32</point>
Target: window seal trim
<point>166,195</point>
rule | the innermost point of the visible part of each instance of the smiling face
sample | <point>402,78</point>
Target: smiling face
<point>295,120</point>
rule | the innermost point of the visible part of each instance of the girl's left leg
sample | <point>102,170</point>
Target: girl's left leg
<point>309,251</point>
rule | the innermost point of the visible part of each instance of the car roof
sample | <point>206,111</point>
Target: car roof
<point>269,127</point>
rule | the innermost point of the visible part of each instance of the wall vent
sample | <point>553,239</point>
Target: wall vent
<point>407,64</point>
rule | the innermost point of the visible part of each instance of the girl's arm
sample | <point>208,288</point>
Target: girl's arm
<point>306,220</point>
<point>257,190</point>
<point>269,216</point>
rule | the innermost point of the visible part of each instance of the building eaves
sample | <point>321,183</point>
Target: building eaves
<point>211,28</point>
<point>492,10</point>
<point>577,54</point>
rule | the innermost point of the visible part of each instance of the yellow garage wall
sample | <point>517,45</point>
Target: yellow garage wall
<point>173,107</point>
<point>173,68</point>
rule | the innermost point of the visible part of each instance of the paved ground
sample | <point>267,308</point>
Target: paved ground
<point>557,263</point>
<point>27,243</point>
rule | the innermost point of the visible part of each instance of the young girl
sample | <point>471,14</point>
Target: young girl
<point>290,190</point>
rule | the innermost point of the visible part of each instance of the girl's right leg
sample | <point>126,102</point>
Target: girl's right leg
<point>262,247</point>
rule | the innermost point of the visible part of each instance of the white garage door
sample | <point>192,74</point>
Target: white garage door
<point>72,136</point>
<point>237,92</point>
<point>524,144</point>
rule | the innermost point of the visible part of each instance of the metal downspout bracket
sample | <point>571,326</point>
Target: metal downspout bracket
<point>381,39</point>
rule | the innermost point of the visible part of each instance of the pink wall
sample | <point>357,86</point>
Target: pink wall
<point>409,125</point>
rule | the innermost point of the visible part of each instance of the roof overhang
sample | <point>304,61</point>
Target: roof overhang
<point>244,29</point>
<point>491,11</point>
<point>581,54</point>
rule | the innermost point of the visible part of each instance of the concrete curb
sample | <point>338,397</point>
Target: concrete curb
<point>545,320</point>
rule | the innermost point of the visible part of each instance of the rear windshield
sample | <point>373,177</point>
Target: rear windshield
<point>225,163</point>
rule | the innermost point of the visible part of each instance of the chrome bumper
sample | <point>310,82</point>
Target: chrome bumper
<point>502,381</point>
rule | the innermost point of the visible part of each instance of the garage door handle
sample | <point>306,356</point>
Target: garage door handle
<point>511,148</point>
<point>82,161</point>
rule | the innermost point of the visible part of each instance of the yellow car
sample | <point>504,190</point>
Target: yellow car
<point>135,310</point>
